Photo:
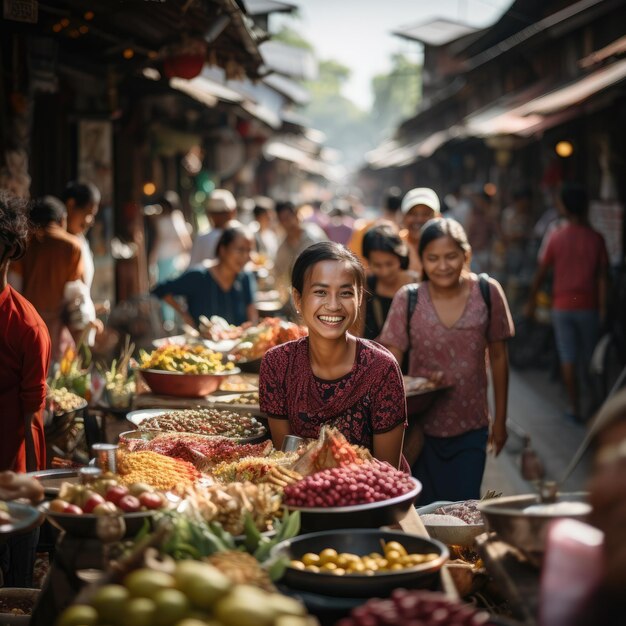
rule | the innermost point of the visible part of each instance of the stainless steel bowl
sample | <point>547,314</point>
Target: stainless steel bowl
<point>524,530</point>
<point>448,534</point>
<point>52,479</point>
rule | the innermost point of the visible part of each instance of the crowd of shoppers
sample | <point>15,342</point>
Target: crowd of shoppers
<point>452,329</point>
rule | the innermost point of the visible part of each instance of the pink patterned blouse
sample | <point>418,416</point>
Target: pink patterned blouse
<point>368,400</point>
<point>460,352</point>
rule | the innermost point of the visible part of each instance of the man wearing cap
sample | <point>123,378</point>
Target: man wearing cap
<point>221,208</point>
<point>418,206</point>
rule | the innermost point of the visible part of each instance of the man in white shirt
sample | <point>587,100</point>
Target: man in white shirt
<point>221,208</point>
<point>83,202</point>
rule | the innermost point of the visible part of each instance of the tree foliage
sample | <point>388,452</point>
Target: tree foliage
<point>396,94</point>
<point>349,127</point>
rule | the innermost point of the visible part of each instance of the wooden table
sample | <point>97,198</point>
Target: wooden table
<point>413,524</point>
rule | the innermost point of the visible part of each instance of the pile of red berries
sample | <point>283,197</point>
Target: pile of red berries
<point>349,485</point>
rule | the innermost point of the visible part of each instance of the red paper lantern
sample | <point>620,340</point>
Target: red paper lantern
<point>183,66</point>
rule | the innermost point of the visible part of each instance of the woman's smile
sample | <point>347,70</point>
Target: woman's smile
<point>331,320</point>
<point>330,301</point>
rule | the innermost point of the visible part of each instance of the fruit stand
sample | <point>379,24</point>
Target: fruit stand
<point>194,518</point>
<point>247,501</point>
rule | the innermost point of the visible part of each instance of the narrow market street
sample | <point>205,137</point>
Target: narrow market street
<point>312,313</point>
<point>536,410</point>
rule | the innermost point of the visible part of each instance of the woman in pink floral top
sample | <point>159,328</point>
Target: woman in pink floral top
<point>452,330</point>
<point>332,377</point>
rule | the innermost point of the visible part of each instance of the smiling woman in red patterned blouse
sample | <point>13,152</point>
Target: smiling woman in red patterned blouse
<point>332,377</point>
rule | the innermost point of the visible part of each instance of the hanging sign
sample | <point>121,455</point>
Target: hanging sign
<point>21,10</point>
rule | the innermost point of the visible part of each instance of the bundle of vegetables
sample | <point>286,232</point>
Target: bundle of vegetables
<point>156,470</point>
<point>187,359</point>
<point>212,422</point>
<point>73,373</point>
<point>228,504</point>
<point>119,379</point>
<point>187,535</point>
<point>330,450</point>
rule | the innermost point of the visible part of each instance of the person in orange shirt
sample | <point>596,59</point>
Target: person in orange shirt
<point>53,258</point>
<point>391,210</point>
<point>418,206</point>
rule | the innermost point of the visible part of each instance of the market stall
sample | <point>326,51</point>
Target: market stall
<point>188,480</point>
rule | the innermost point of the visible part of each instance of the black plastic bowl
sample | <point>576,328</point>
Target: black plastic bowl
<point>372,515</point>
<point>360,542</point>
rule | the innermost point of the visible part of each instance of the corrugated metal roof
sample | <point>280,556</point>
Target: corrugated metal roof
<point>294,91</point>
<point>288,60</point>
<point>541,26</point>
<point>264,7</point>
<point>437,32</point>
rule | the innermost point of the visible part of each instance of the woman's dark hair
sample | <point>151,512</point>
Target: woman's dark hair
<point>575,200</point>
<point>285,206</point>
<point>393,199</point>
<point>229,235</point>
<point>83,194</point>
<point>442,227</point>
<point>324,251</point>
<point>47,210</point>
<point>14,226</point>
<point>170,201</point>
<point>383,238</point>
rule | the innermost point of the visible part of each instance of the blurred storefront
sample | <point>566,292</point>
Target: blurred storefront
<point>522,103</point>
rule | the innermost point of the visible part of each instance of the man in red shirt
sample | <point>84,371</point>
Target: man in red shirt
<point>24,359</point>
<point>578,256</point>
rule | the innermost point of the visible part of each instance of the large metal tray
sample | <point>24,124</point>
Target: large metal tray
<point>24,516</point>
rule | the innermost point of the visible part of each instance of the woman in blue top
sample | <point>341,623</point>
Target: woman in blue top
<point>222,288</point>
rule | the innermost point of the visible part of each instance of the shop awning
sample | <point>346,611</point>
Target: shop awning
<point>289,88</point>
<point>526,115</point>
<point>211,87</point>
<point>288,60</point>
<point>205,90</point>
<point>576,91</point>
<point>263,7</point>
<point>276,149</point>
<point>396,154</point>
<point>437,32</point>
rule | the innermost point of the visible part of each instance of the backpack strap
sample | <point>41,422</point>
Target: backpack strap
<point>410,309</point>
<point>411,304</point>
<point>485,291</point>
